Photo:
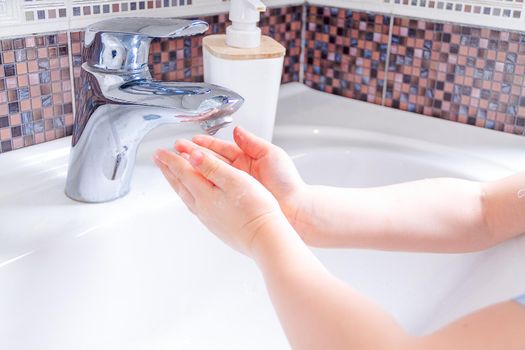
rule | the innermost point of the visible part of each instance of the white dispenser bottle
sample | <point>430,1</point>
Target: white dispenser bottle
<point>249,64</point>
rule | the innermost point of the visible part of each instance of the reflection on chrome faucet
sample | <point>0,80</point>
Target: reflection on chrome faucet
<point>119,103</point>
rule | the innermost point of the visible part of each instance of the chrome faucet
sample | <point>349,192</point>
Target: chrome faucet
<point>119,103</point>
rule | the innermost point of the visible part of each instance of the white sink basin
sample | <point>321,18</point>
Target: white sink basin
<point>142,273</point>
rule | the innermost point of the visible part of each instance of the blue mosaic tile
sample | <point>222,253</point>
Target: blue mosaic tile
<point>346,52</point>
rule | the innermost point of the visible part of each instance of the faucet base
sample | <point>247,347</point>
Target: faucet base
<point>92,200</point>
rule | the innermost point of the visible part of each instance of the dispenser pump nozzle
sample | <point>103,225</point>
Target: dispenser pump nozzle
<point>244,15</point>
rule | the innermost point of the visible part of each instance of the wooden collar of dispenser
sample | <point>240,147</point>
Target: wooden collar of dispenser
<point>216,45</point>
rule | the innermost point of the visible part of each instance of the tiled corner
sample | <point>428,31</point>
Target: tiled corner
<point>35,90</point>
<point>346,52</point>
<point>470,75</point>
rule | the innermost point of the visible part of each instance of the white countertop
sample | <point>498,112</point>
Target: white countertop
<point>142,273</point>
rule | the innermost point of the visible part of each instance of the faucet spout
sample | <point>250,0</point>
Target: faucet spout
<point>117,108</point>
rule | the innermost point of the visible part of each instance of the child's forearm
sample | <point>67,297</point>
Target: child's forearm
<point>317,310</point>
<point>437,215</point>
<point>505,207</point>
<point>500,326</point>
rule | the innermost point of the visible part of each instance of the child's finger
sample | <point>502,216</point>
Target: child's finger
<point>252,145</point>
<point>225,149</point>
<point>185,146</point>
<point>181,169</point>
<point>214,169</point>
<point>181,190</point>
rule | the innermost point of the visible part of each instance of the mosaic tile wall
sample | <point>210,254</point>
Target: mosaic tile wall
<point>36,89</point>
<point>345,52</point>
<point>470,75</point>
<point>460,73</point>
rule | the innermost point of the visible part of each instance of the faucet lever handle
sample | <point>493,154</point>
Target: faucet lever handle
<point>122,44</point>
<point>149,27</point>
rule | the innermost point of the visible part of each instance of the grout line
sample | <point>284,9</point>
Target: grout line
<point>303,44</point>
<point>71,74</point>
<point>387,61</point>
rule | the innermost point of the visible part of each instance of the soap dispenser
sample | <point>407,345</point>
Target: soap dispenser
<point>248,63</point>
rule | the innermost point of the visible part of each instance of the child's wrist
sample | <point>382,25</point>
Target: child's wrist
<point>274,234</point>
<point>300,217</point>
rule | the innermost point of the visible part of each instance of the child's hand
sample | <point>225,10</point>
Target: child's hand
<point>231,204</point>
<point>269,164</point>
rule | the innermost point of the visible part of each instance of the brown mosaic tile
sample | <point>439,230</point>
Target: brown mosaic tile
<point>346,52</point>
<point>459,73</point>
<point>465,74</point>
<point>34,81</point>
<point>181,59</point>
<point>284,25</point>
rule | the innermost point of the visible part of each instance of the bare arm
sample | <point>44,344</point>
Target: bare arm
<point>438,215</point>
<point>318,311</point>
<point>504,207</point>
